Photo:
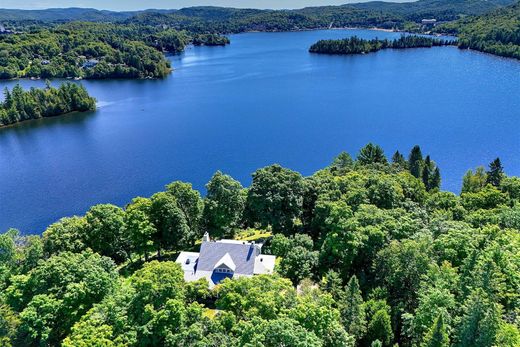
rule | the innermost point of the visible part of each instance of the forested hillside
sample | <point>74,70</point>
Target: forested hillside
<point>496,33</point>
<point>94,50</point>
<point>372,14</point>
<point>380,254</point>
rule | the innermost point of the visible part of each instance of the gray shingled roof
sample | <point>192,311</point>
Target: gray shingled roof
<point>243,256</point>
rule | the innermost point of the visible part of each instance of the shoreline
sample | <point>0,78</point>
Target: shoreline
<point>27,121</point>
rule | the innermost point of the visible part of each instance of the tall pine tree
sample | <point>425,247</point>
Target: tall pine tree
<point>415,161</point>
<point>437,336</point>
<point>352,310</point>
<point>495,173</point>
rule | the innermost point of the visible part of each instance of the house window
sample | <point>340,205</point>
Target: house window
<point>221,270</point>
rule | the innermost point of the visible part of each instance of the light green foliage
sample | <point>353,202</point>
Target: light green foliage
<point>474,182</point>
<point>380,328</point>
<point>67,234</point>
<point>437,336</point>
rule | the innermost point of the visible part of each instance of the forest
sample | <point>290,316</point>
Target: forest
<point>371,253</point>
<point>356,45</point>
<point>94,51</point>
<point>496,33</point>
<point>20,105</point>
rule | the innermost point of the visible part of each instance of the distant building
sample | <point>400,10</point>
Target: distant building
<point>218,260</point>
<point>4,31</point>
<point>429,22</point>
<point>90,63</point>
<point>45,62</point>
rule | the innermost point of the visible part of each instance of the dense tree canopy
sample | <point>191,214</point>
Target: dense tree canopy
<point>355,45</point>
<point>368,255</point>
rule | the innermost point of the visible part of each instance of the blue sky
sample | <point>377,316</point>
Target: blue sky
<point>120,5</point>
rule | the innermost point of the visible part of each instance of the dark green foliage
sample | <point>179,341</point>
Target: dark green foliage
<point>371,154</point>
<point>275,198</point>
<point>223,206</point>
<point>415,161</point>
<point>20,105</point>
<point>355,45</point>
<point>495,173</point>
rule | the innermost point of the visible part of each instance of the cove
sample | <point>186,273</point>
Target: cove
<point>264,99</point>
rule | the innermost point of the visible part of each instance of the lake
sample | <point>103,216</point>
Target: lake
<point>264,99</point>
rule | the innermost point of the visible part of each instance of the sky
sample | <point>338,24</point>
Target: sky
<point>131,5</point>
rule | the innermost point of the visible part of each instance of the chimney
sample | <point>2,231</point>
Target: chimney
<point>205,238</point>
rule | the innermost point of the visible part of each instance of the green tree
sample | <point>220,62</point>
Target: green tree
<point>437,336</point>
<point>380,328</point>
<point>342,164</point>
<point>399,161</point>
<point>275,198</point>
<point>224,205</point>
<point>58,292</point>
<point>474,182</point>
<point>352,309</point>
<point>371,154</point>
<point>415,161</point>
<point>170,222</point>
<point>480,322</point>
<point>67,234</point>
<point>105,232</point>
<point>190,203</point>
<point>495,173</point>
<point>139,226</point>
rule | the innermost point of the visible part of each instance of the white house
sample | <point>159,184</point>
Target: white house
<point>222,259</point>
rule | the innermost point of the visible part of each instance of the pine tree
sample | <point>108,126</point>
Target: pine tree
<point>371,154</point>
<point>342,163</point>
<point>415,161</point>
<point>495,173</point>
<point>435,182</point>
<point>352,310</point>
<point>399,160</point>
<point>480,322</point>
<point>426,172</point>
<point>437,336</point>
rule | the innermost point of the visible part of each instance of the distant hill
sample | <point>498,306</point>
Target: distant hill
<point>378,11</point>
<point>439,9</point>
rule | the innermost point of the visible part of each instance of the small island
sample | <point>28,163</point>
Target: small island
<point>356,45</point>
<point>20,105</point>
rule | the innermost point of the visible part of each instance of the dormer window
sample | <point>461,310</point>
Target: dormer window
<point>188,261</point>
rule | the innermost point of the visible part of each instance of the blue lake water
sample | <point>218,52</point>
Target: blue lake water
<point>264,99</point>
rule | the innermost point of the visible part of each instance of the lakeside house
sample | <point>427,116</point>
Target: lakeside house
<point>218,260</point>
<point>429,22</point>
<point>90,63</point>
